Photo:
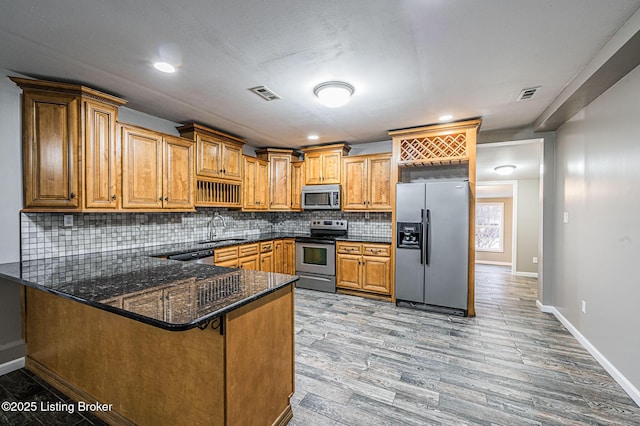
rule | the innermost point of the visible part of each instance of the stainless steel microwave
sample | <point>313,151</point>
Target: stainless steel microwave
<point>321,197</point>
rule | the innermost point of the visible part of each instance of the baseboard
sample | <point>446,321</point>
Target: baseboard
<point>491,262</point>
<point>527,274</point>
<point>628,387</point>
<point>10,366</point>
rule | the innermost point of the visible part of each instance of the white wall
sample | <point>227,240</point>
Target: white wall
<point>597,251</point>
<point>528,223</point>
<point>11,345</point>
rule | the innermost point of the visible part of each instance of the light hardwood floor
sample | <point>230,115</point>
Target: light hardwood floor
<point>364,362</point>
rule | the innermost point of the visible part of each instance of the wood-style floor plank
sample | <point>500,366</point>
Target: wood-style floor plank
<point>366,362</point>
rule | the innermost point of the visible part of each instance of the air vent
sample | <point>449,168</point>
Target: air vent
<point>528,93</point>
<point>264,93</point>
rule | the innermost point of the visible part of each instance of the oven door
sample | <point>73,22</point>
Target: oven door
<point>316,258</point>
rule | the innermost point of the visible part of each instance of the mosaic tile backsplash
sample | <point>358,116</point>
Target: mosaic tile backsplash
<point>43,235</point>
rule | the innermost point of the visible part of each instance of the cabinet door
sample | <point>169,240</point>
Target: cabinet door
<point>100,155</point>
<point>249,184</point>
<point>50,150</point>
<point>233,263</point>
<point>178,176</point>
<point>380,183</point>
<point>289,257</point>
<point>278,256</point>
<point>251,263</point>
<point>266,262</point>
<point>297,181</point>
<point>354,188</point>
<point>262,186</point>
<point>231,162</point>
<point>209,156</point>
<point>313,168</point>
<point>348,271</point>
<point>331,167</point>
<point>376,274</point>
<point>279,183</point>
<point>141,168</point>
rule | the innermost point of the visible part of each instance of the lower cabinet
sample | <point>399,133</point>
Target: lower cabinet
<point>363,267</point>
<point>267,256</point>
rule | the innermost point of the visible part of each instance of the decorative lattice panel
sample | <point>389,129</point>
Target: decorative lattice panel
<point>434,149</point>
<point>217,194</point>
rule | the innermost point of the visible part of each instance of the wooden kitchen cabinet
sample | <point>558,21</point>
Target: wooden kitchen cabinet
<point>289,256</point>
<point>157,170</point>
<point>366,183</point>
<point>219,166</point>
<point>218,154</point>
<point>280,182</point>
<point>323,163</point>
<point>278,256</point>
<point>363,267</point>
<point>69,147</point>
<point>266,256</point>
<point>297,182</point>
<point>255,186</point>
<point>249,256</point>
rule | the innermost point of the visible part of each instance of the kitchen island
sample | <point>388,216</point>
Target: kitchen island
<point>159,341</point>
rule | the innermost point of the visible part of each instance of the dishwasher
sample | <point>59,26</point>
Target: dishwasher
<point>199,256</point>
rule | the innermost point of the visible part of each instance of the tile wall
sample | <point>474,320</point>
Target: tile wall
<point>43,235</point>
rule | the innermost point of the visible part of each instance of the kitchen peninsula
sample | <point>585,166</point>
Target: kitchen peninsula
<point>164,342</point>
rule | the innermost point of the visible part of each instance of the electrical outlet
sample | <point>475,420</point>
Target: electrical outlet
<point>584,307</point>
<point>535,259</point>
<point>366,215</point>
<point>68,220</point>
<point>565,217</point>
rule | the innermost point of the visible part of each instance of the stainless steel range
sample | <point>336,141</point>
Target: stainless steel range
<point>316,255</point>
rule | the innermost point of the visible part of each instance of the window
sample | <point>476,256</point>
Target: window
<point>490,227</point>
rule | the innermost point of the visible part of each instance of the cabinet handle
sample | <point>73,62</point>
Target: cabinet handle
<point>224,171</point>
<point>113,197</point>
<point>220,171</point>
<point>364,202</point>
<point>166,198</point>
<point>72,195</point>
<point>160,199</point>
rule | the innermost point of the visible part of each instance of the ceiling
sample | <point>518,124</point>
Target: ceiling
<point>410,61</point>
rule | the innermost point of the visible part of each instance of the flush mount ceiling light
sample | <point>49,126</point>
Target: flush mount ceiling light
<point>446,117</point>
<point>164,67</point>
<point>505,170</point>
<point>333,94</point>
<point>313,137</point>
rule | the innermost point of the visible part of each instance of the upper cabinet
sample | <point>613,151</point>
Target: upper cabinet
<point>366,182</point>
<point>323,164</point>
<point>255,190</point>
<point>218,166</point>
<point>218,155</point>
<point>280,183</point>
<point>69,147</point>
<point>157,170</point>
<point>297,182</point>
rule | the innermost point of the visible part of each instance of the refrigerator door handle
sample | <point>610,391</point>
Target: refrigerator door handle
<point>422,217</point>
<point>425,235</point>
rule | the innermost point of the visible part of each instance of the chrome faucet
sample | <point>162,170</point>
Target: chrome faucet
<point>212,225</point>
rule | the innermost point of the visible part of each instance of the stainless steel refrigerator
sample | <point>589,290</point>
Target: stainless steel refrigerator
<point>432,245</point>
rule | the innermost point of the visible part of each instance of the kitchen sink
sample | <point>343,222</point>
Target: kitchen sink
<point>224,240</point>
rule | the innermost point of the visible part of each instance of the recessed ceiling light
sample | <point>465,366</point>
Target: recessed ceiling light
<point>505,170</point>
<point>164,67</point>
<point>446,117</point>
<point>313,137</point>
<point>333,94</point>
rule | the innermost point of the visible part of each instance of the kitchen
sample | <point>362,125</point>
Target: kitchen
<point>131,227</point>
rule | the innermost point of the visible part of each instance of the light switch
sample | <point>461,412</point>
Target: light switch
<point>565,217</point>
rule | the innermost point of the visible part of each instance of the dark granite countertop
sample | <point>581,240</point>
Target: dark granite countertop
<point>199,293</point>
<point>112,280</point>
